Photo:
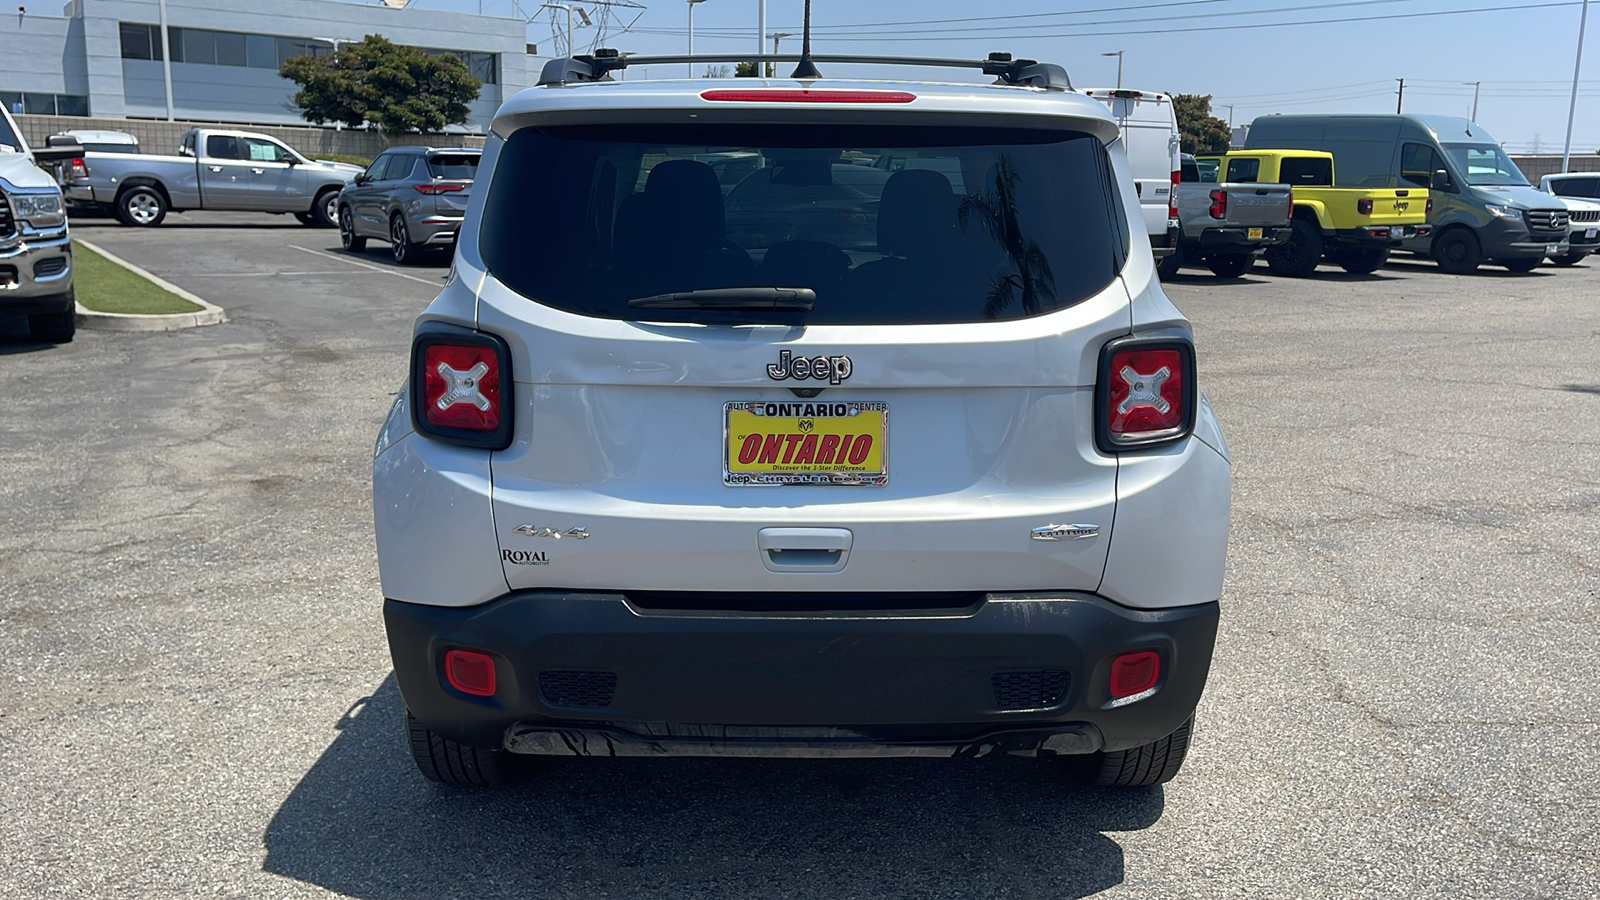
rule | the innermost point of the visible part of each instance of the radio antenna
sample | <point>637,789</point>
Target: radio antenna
<point>806,68</point>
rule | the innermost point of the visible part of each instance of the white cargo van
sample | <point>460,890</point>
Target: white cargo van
<point>1149,125</point>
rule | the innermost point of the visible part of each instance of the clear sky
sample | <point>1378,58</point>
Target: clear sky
<point>1521,52</point>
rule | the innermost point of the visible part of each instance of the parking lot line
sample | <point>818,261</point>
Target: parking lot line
<point>261,274</point>
<point>363,265</point>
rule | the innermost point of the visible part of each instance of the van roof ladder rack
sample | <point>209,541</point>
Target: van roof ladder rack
<point>604,61</point>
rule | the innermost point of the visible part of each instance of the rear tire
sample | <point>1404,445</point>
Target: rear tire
<point>1230,265</point>
<point>1169,265</point>
<point>1570,259</point>
<point>1457,252</point>
<point>1521,266</point>
<point>348,239</point>
<point>1155,763</point>
<point>1300,255</point>
<point>400,247</point>
<point>142,206</point>
<point>1363,260</point>
<point>457,765</point>
<point>54,328</point>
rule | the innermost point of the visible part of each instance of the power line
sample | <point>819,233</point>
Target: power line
<point>887,36</point>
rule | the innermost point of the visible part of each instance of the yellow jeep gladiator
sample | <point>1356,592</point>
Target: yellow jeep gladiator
<point>1353,228</point>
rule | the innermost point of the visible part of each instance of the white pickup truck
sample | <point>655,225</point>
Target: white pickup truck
<point>35,252</point>
<point>233,170</point>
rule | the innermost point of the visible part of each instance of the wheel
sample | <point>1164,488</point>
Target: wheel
<point>1457,252</point>
<point>54,328</point>
<point>1521,265</point>
<point>400,245</point>
<point>142,206</point>
<point>352,242</point>
<point>1300,255</point>
<point>1569,259</point>
<point>1169,265</point>
<point>1363,260</point>
<point>458,765</point>
<point>1155,763</point>
<point>1230,265</point>
<point>306,219</point>
<point>325,210</point>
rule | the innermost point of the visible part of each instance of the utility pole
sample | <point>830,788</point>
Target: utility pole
<point>1401,99</point>
<point>1572,108</point>
<point>761,27</point>
<point>1230,115</point>
<point>691,33</point>
<point>1476,87</point>
<point>571,50</point>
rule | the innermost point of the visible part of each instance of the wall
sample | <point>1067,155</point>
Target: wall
<point>42,54</point>
<point>1536,167</point>
<point>164,137</point>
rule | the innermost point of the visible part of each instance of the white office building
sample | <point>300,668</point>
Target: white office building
<point>104,58</point>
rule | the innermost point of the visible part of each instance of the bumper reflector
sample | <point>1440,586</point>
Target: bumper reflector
<point>1134,673</point>
<point>469,672</point>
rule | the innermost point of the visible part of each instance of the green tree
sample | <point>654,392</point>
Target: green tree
<point>394,87</point>
<point>1198,129</point>
<point>747,70</point>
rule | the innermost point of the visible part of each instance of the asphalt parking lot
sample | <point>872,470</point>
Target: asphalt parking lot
<point>196,698</point>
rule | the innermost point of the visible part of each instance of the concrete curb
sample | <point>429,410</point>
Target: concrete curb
<point>209,314</point>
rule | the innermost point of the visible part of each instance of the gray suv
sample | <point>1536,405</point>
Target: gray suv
<point>412,197</point>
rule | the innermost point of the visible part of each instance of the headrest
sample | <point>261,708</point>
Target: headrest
<point>918,208</point>
<point>684,198</point>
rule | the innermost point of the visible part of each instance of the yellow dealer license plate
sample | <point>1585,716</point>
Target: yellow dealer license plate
<point>805,442</point>
<point>1254,233</point>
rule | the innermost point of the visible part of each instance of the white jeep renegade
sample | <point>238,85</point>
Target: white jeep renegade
<point>801,417</point>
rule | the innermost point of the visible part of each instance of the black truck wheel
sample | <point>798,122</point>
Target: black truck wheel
<point>1362,260</point>
<point>1155,763</point>
<point>1299,256</point>
<point>1230,265</point>
<point>1520,265</point>
<point>457,765</point>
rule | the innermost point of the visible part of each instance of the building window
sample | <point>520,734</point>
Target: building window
<point>289,48</point>
<point>140,41</point>
<point>230,49</point>
<point>18,102</point>
<point>261,51</point>
<point>479,65</point>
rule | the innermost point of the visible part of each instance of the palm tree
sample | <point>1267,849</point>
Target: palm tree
<point>998,214</point>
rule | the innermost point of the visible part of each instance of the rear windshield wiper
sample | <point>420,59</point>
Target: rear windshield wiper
<point>742,298</point>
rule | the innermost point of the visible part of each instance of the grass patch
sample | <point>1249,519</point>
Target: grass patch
<point>104,286</point>
<point>361,161</point>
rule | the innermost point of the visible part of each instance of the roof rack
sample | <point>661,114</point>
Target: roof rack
<point>598,67</point>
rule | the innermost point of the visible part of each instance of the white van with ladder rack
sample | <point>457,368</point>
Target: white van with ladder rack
<point>1149,123</point>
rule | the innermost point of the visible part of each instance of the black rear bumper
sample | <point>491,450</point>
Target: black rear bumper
<point>593,673</point>
<point>1238,239</point>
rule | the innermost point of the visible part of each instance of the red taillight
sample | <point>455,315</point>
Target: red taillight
<point>1291,201</point>
<point>1430,205</point>
<point>1364,206</point>
<point>1134,673</point>
<point>432,189</point>
<point>470,672</point>
<point>461,389</point>
<point>1172,194</point>
<point>1145,394</point>
<point>1219,204</point>
<point>789,95</point>
<point>79,168</point>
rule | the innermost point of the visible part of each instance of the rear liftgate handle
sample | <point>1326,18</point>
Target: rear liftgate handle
<point>804,549</point>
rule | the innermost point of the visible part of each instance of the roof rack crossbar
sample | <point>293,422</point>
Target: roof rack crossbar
<point>585,68</point>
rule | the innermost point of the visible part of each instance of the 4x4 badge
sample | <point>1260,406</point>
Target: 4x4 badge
<point>1065,532</point>
<point>832,369</point>
<point>578,533</point>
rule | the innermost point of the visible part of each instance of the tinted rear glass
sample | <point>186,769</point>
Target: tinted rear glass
<point>1306,171</point>
<point>453,165</point>
<point>887,224</point>
<point>111,148</point>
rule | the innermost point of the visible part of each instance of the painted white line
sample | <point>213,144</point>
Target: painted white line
<point>326,255</point>
<point>260,274</point>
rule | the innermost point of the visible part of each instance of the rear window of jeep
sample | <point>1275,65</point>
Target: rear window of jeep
<point>886,224</point>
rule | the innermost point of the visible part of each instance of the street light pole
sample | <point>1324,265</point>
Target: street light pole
<point>691,33</point>
<point>1572,107</point>
<point>1118,55</point>
<point>1476,87</point>
<point>761,27</point>
<point>1401,98</point>
<point>568,8</point>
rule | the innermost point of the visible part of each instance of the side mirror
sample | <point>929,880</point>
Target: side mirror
<point>362,178</point>
<point>1441,181</point>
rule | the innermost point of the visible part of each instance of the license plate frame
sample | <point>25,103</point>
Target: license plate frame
<point>739,427</point>
<point>1255,234</point>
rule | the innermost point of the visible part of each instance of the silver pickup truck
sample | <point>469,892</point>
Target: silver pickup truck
<point>235,170</point>
<point>1224,226</point>
<point>35,251</point>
